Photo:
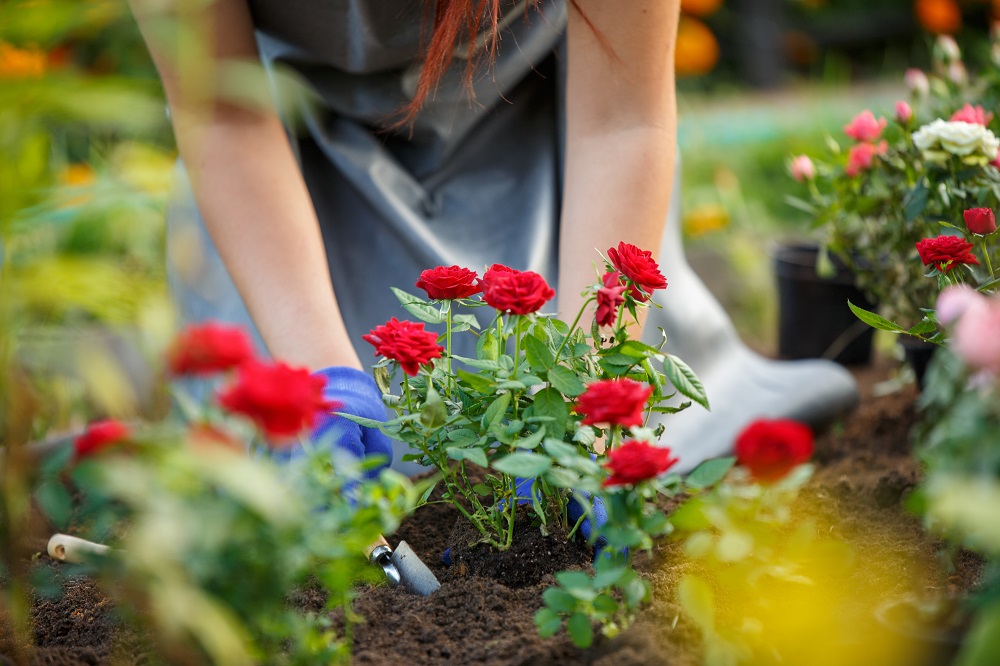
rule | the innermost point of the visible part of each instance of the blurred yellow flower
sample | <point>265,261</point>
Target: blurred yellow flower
<point>18,63</point>
<point>705,219</point>
<point>77,175</point>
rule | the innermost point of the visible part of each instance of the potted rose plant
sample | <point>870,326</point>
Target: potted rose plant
<point>903,180</point>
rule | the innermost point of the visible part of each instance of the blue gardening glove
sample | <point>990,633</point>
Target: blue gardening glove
<point>358,395</point>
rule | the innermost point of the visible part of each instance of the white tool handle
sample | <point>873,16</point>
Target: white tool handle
<point>73,549</point>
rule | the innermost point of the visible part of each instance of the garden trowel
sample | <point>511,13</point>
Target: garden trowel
<point>402,567</point>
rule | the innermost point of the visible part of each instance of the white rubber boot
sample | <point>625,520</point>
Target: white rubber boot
<point>742,385</point>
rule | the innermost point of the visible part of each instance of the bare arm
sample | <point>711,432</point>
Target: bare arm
<point>247,184</point>
<point>620,134</point>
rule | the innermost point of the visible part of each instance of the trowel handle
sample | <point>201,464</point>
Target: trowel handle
<point>379,543</point>
<point>74,549</point>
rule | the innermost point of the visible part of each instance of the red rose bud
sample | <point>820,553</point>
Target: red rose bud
<point>208,348</point>
<point>639,267</point>
<point>406,343</point>
<point>609,298</point>
<point>771,449</point>
<point>864,127</point>
<point>449,282</point>
<point>980,221</point>
<point>946,252</point>
<point>516,292</point>
<point>99,436</point>
<point>282,401</point>
<point>614,402</point>
<point>974,115</point>
<point>634,462</point>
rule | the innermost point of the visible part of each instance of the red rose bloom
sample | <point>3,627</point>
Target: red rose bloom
<point>946,252</point>
<point>633,462</point>
<point>609,298</point>
<point>493,271</point>
<point>980,221</point>
<point>639,267</point>
<point>406,343</point>
<point>517,292</point>
<point>614,401</point>
<point>282,401</point>
<point>449,282</point>
<point>208,348</point>
<point>770,449</point>
<point>100,435</point>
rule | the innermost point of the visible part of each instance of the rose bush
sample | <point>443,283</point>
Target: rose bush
<point>892,203</point>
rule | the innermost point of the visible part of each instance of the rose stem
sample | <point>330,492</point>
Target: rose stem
<point>573,326</point>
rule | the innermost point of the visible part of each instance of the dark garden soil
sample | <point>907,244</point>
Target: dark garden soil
<point>483,612</point>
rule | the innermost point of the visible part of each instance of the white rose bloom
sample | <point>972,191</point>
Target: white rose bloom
<point>970,141</point>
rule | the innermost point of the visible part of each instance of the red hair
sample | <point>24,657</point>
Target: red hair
<point>452,18</point>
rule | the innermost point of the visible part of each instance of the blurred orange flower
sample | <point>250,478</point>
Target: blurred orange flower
<point>697,49</point>
<point>700,7</point>
<point>18,63</point>
<point>941,17</point>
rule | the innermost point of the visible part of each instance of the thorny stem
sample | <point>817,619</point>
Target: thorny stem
<point>573,325</point>
<point>406,390</point>
<point>451,377</point>
<point>512,510</point>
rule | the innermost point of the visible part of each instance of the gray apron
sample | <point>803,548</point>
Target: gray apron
<point>473,184</point>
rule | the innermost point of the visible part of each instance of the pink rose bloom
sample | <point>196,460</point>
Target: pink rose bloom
<point>802,168</point>
<point>904,112</point>
<point>975,338</point>
<point>954,301</point>
<point>974,115</point>
<point>865,127</point>
<point>862,156</point>
<point>917,82</point>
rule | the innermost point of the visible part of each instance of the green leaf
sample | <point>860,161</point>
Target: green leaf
<point>580,631</point>
<point>463,436</point>
<point>467,320</point>
<point>655,524</point>
<point>476,456</point>
<point>523,464</point>
<point>684,379</point>
<point>433,414</point>
<point>710,472</point>
<point>697,601</point>
<point>482,490</point>
<point>487,347</point>
<point>559,600</point>
<point>562,477</point>
<point>607,578</point>
<point>418,307</point>
<point>55,502</point>
<point>480,383</point>
<point>549,403</point>
<point>923,327</point>
<point>532,440</point>
<point>558,448</point>
<point>915,201</point>
<point>605,604</point>
<point>361,421</point>
<point>538,354</point>
<point>800,204</point>
<point>576,583</point>
<point>496,410</point>
<point>548,622</point>
<point>874,320</point>
<point>566,381</point>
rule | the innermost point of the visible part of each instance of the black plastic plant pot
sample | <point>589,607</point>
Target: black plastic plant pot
<point>814,319</point>
<point>918,354</point>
